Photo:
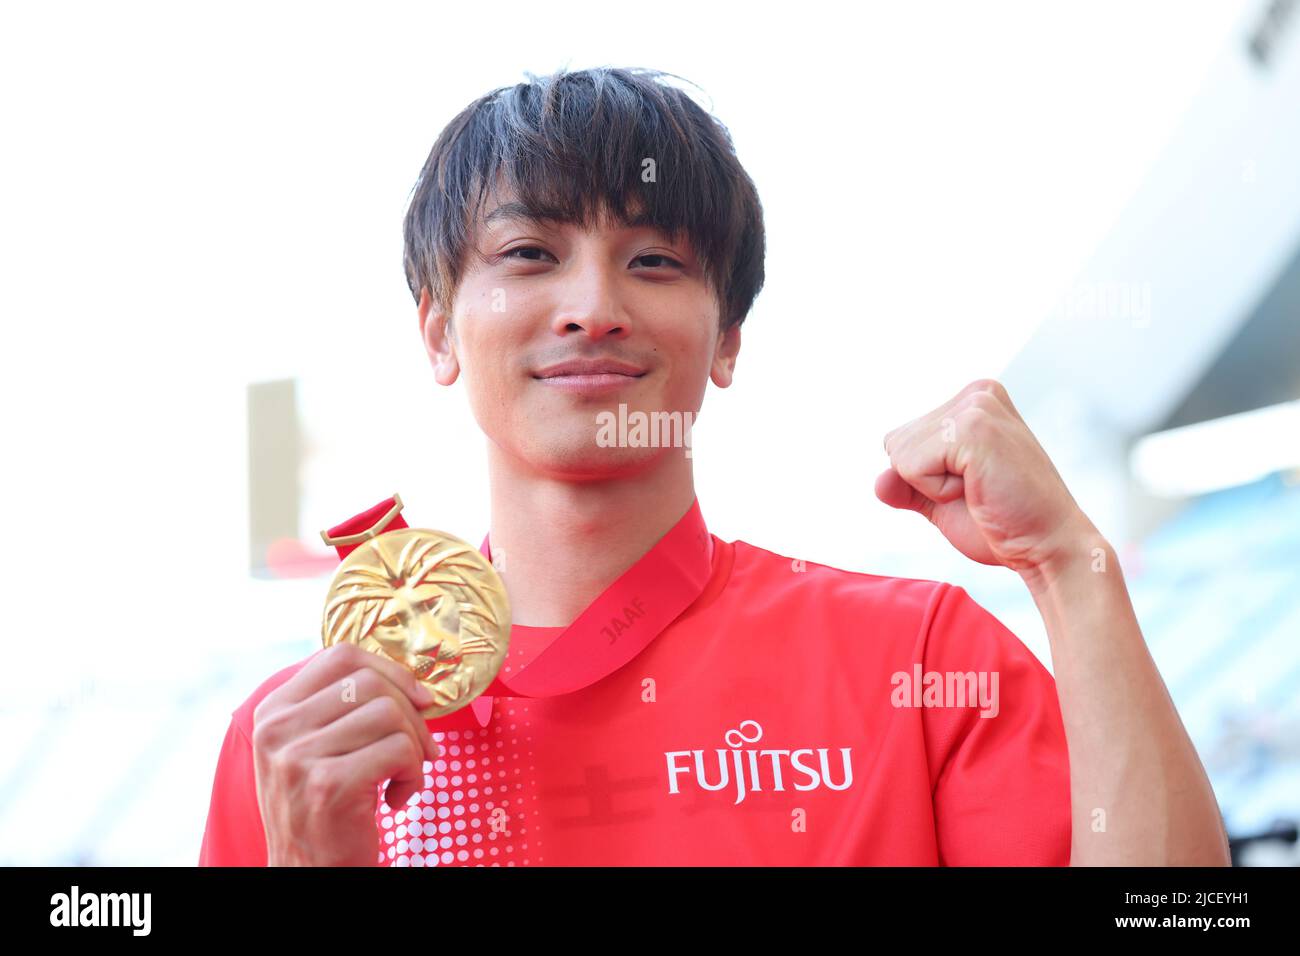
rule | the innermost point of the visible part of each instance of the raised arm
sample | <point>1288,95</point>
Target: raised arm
<point>1139,793</point>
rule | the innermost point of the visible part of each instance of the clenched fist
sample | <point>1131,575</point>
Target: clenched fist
<point>975,470</point>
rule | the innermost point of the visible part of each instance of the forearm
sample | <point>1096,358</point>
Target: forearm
<point>1139,794</point>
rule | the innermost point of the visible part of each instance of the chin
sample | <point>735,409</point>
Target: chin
<point>587,461</point>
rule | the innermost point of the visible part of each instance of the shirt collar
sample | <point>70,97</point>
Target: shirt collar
<point>624,618</point>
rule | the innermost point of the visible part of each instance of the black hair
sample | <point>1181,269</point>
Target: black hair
<point>575,144</point>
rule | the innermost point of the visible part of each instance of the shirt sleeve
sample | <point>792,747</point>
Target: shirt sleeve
<point>999,763</point>
<point>233,835</point>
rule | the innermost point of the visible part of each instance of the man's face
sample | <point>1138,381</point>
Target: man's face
<point>546,295</point>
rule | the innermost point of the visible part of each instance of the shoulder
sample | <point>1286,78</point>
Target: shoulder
<point>908,620</point>
<point>936,616</point>
<point>795,580</point>
<point>243,714</point>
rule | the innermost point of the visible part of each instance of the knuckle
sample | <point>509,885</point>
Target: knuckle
<point>268,725</point>
<point>285,765</point>
<point>975,421</point>
<point>984,403</point>
<point>906,467</point>
<point>318,786</point>
<point>351,656</point>
<point>369,682</point>
<point>261,738</point>
<point>262,712</point>
<point>341,651</point>
<point>390,711</point>
<point>993,387</point>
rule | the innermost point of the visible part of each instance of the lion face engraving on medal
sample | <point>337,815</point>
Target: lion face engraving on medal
<point>428,601</point>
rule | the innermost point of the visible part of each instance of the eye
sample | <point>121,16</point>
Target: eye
<point>510,253</point>
<point>660,255</point>
<point>390,621</point>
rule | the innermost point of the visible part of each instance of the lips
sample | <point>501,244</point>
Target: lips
<point>582,368</point>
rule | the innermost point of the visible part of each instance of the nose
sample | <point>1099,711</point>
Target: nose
<point>591,305</point>
<point>433,641</point>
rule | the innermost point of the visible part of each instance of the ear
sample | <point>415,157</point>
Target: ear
<point>439,339</point>
<point>724,356</point>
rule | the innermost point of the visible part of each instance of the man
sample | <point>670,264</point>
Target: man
<point>589,242</point>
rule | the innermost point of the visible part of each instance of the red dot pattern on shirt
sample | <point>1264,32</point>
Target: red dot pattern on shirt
<point>473,808</point>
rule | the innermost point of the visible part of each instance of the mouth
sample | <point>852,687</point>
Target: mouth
<point>579,368</point>
<point>428,669</point>
<point>599,383</point>
<point>590,376</point>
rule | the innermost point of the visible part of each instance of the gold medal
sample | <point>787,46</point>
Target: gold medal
<point>425,599</point>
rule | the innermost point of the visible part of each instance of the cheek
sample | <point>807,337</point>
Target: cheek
<point>449,621</point>
<point>691,361</point>
<point>491,379</point>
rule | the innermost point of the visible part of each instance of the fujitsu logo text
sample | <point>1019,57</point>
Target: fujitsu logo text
<point>758,769</point>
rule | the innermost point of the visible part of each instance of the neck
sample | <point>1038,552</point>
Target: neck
<point>565,542</point>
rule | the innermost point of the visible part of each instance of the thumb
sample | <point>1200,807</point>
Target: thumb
<point>894,491</point>
<point>399,791</point>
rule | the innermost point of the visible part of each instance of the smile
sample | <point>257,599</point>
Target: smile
<point>589,383</point>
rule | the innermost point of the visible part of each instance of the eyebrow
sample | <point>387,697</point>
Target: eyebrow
<point>519,211</point>
<point>509,210</point>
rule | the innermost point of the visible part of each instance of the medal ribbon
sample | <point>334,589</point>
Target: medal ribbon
<point>614,628</point>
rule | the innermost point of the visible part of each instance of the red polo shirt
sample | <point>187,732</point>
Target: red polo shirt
<point>793,714</point>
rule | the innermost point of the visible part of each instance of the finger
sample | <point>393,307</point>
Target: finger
<point>334,664</point>
<point>931,464</point>
<point>944,417</point>
<point>897,493</point>
<point>897,433</point>
<point>368,683</point>
<point>391,758</point>
<point>998,391</point>
<point>373,720</point>
<point>398,793</point>
<point>924,421</point>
